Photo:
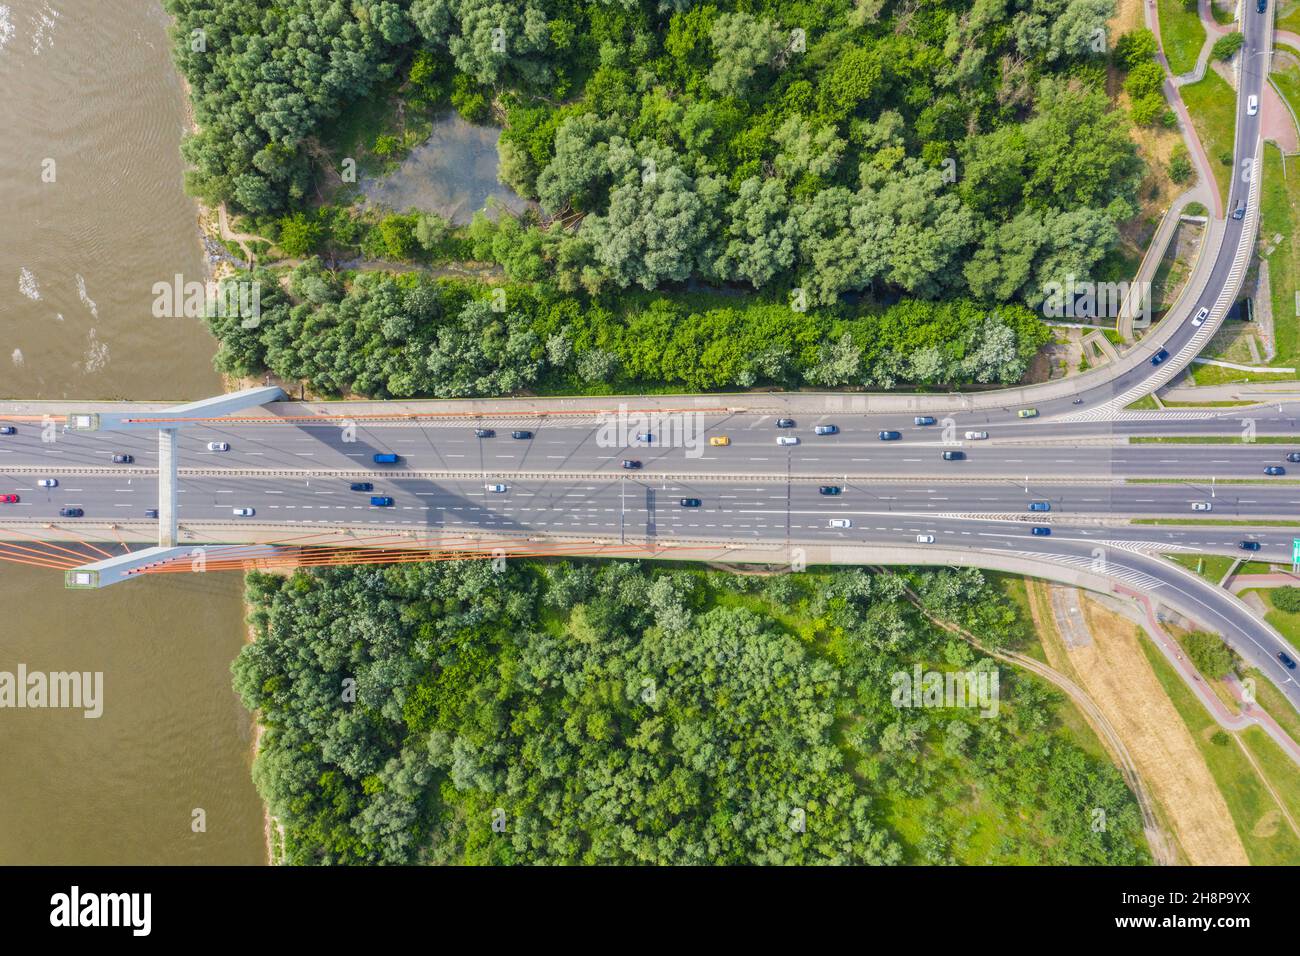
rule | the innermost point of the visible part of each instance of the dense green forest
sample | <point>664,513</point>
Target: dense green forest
<point>404,335</point>
<point>925,148</point>
<point>555,712</point>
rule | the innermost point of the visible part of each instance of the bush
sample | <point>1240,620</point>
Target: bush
<point>1226,46</point>
<point>1135,47</point>
<point>299,234</point>
<point>1287,599</point>
<point>1180,164</point>
<point>1212,657</point>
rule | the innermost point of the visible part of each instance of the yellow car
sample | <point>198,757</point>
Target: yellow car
<point>1028,413</point>
<point>718,440</point>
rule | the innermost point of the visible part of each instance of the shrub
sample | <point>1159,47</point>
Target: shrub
<point>1212,657</point>
<point>1287,599</point>
<point>1226,46</point>
<point>1180,164</point>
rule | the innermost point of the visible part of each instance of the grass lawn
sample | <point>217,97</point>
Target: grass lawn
<point>1280,770</point>
<point>1279,213</point>
<point>1211,440</point>
<point>1288,15</point>
<point>1279,708</point>
<point>1212,104</point>
<point>1212,567</point>
<point>1287,622</point>
<point>1248,800</point>
<point>1181,34</point>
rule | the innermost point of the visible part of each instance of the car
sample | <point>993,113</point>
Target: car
<point>243,512</point>
<point>889,436</point>
<point>151,512</point>
<point>976,436</point>
<point>1159,356</point>
<point>218,446</point>
<point>1201,316</point>
<point>631,463</point>
<point>381,501</point>
<point>1040,506</point>
<point>1240,211</point>
<point>386,458</point>
<point>826,430</point>
<point>954,456</point>
<point>1285,658</point>
<point>1202,506</point>
<point>925,539</point>
<point>9,499</point>
<point>361,486</point>
<point>48,483</point>
<point>8,430</point>
<point>788,440</point>
<point>522,435</point>
<point>719,441</point>
<point>1261,5</point>
<point>71,513</point>
<point>1027,413</point>
<point>121,459</point>
<point>485,433</point>
<point>645,437</point>
<point>841,523</point>
<point>1252,105</point>
<point>828,490</point>
<point>1275,470</point>
<point>1040,532</point>
<point>785,423</point>
<point>923,420</point>
<point>1249,545</point>
<point>689,502</point>
<point>1293,456</point>
<point>496,489</point>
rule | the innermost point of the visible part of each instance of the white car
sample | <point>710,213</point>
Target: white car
<point>976,436</point>
<point>1201,316</point>
<point>218,446</point>
<point>242,512</point>
<point>787,440</point>
<point>48,483</point>
<point>925,539</point>
<point>1252,105</point>
<point>841,523</point>
<point>496,488</point>
<point>1202,506</point>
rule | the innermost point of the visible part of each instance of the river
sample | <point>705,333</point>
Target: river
<point>92,214</point>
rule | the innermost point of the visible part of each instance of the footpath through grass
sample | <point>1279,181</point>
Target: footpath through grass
<point>1279,214</point>
<point>1212,104</point>
<point>1181,34</point>
<point>1267,839</point>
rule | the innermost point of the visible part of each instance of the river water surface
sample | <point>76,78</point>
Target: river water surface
<point>90,96</point>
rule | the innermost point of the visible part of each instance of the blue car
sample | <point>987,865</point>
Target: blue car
<point>386,458</point>
<point>826,430</point>
<point>361,486</point>
<point>1039,506</point>
<point>381,501</point>
<point>1039,532</point>
<point>923,420</point>
<point>1159,356</point>
<point>1275,470</point>
<point>890,436</point>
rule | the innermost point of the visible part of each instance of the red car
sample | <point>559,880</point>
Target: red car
<point>9,499</point>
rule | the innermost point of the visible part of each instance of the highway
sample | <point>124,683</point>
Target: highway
<point>1074,445</point>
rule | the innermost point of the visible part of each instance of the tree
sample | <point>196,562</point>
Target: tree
<point>1226,46</point>
<point>1209,654</point>
<point>745,48</point>
<point>761,234</point>
<point>299,234</point>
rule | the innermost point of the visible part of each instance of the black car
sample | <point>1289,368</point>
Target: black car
<point>71,513</point>
<point>123,459</point>
<point>1261,6</point>
<point>1249,545</point>
<point>1293,456</point>
<point>521,435</point>
<point>954,456</point>
<point>689,502</point>
<point>1275,470</point>
<point>1159,356</point>
<point>1285,658</point>
<point>631,463</point>
<point>361,486</point>
<point>785,423</point>
<point>890,436</point>
<point>151,512</point>
<point>485,433</point>
<point>828,490</point>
